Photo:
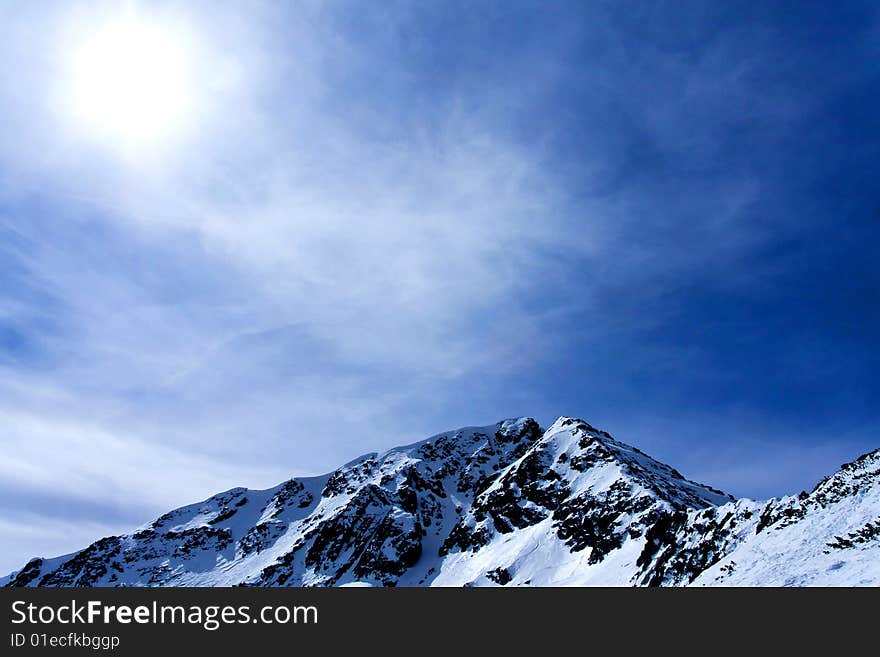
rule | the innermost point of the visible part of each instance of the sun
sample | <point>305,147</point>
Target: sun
<point>131,81</point>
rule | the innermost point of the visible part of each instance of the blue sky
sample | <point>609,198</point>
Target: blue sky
<point>385,220</point>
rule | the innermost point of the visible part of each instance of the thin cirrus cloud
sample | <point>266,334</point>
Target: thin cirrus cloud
<point>380,223</point>
<point>267,290</point>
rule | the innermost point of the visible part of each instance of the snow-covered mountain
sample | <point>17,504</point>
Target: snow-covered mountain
<point>509,505</point>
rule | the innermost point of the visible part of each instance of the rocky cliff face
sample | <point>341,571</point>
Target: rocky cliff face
<point>504,505</point>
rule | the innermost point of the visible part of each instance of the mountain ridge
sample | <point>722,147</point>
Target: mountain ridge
<point>504,504</point>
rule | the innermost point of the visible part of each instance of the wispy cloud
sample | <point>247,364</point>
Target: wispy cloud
<point>272,290</point>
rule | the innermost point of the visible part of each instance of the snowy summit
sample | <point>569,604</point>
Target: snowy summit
<point>509,504</point>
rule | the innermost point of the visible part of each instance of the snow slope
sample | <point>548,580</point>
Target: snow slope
<point>830,537</point>
<point>508,504</point>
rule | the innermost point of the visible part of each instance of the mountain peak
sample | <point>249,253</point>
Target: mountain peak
<point>503,504</point>
<point>664,480</point>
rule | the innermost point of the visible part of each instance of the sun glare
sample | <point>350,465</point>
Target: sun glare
<point>131,81</point>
